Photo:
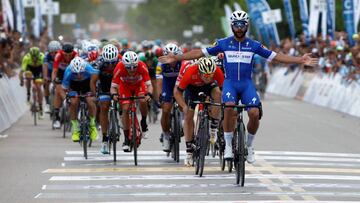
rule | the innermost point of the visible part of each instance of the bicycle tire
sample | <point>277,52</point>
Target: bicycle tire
<point>133,136</point>
<point>65,122</point>
<point>35,120</point>
<point>203,135</point>
<point>112,136</point>
<point>176,137</point>
<point>240,160</point>
<point>229,164</point>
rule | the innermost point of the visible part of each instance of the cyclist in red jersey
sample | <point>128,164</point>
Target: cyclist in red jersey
<point>61,61</point>
<point>131,77</point>
<point>202,76</point>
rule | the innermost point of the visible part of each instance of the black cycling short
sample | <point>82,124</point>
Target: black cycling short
<point>60,76</point>
<point>105,82</point>
<point>81,87</point>
<point>192,92</point>
<point>152,73</point>
<point>36,71</point>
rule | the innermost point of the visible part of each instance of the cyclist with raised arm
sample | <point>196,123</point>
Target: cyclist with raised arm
<point>202,76</point>
<point>62,60</point>
<point>131,78</point>
<point>53,48</point>
<point>238,52</point>
<point>76,81</point>
<point>33,62</point>
<point>106,64</point>
<point>166,75</point>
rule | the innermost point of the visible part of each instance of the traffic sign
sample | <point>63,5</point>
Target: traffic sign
<point>28,3</point>
<point>271,16</point>
<point>53,7</point>
<point>68,18</point>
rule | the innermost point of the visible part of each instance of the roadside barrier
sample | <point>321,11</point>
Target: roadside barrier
<point>327,90</point>
<point>12,101</point>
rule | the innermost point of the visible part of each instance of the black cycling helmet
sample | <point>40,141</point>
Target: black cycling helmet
<point>149,55</point>
<point>68,48</point>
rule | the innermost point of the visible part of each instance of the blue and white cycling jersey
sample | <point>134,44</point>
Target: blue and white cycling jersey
<point>70,76</point>
<point>49,60</point>
<point>238,56</point>
<point>238,66</point>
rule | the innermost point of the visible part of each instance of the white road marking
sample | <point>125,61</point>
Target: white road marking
<point>124,158</point>
<point>203,185</point>
<point>331,164</point>
<point>3,136</point>
<point>142,157</point>
<point>293,153</point>
<point>173,194</point>
<point>194,177</point>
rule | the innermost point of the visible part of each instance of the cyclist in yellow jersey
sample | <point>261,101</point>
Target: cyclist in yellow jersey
<point>32,65</point>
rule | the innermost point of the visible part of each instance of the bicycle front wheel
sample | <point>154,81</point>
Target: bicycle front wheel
<point>133,136</point>
<point>203,141</point>
<point>240,157</point>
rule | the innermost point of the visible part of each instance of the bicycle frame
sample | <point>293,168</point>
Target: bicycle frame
<point>135,131</point>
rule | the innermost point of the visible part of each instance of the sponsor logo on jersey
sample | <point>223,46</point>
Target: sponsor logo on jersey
<point>239,57</point>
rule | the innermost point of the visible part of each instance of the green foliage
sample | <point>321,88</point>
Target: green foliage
<point>167,19</point>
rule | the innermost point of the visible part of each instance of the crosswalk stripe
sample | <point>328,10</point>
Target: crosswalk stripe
<point>193,177</point>
<point>164,194</point>
<point>183,168</point>
<point>280,153</point>
<point>142,157</point>
<point>202,185</point>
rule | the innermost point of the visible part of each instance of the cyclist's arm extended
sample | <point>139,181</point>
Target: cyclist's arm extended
<point>93,80</point>
<point>149,87</point>
<point>178,95</point>
<point>282,58</point>
<point>45,70</point>
<point>193,54</point>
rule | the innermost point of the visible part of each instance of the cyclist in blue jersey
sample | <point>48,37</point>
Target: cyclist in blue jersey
<point>166,75</point>
<point>53,48</point>
<point>238,52</point>
<point>77,81</point>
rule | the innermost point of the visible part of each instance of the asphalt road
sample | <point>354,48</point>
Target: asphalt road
<point>304,152</point>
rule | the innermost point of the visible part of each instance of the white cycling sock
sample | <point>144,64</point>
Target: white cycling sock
<point>228,138</point>
<point>250,139</point>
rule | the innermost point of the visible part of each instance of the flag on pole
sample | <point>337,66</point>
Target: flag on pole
<point>290,18</point>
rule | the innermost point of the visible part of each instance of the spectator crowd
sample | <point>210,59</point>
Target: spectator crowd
<point>336,56</point>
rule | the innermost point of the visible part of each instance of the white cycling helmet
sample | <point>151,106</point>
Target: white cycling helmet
<point>130,59</point>
<point>77,65</point>
<point>239,16</point>
<point>54,46</point>
<point>171,48</point>
<point>110,53</point>
<point>206,65</point>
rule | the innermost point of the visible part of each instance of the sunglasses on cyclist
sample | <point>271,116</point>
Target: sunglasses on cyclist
<point>131,67</point>
<point>239,24</point>
<point>110,63</point>
<point>207,76</point>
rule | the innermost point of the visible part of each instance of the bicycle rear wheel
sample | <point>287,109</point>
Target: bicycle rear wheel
<point>240,155</point>
<point>34,111</point>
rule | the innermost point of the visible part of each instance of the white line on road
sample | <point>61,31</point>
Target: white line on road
<point>293,158</point>
<point>191,186</point>
<point>3,136</point>
<point>172,194</point>
<point>124,158</point>
<point>193,177</point>
<point>293,153</point>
